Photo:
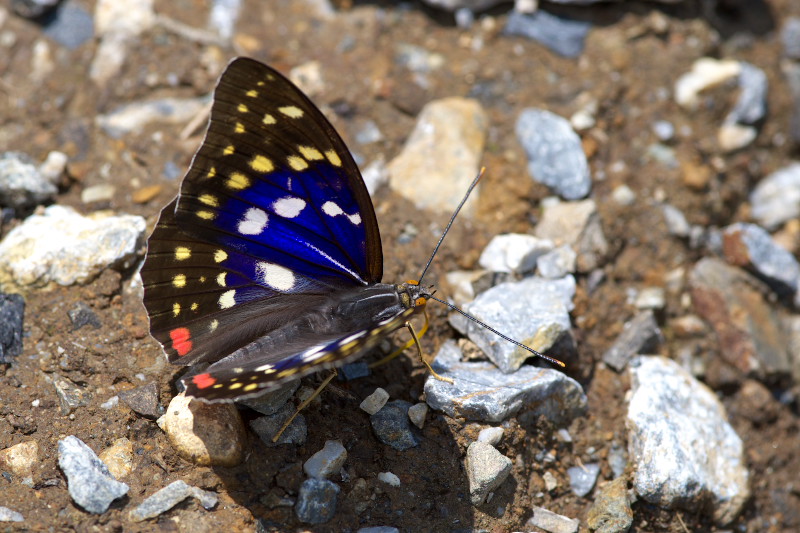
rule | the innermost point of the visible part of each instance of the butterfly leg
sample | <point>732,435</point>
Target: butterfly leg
<point>419,351</point>
<point>305,404</point>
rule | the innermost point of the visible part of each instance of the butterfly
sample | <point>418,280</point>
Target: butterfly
<point>267,265</point>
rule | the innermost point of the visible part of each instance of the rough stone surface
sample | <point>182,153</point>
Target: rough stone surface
<point>483,393</point>
<point>62,247</point>
<point>562,35</point>
<point>208,434</point>
<point>582,478</point>
<point>143,400</point>
<point>776,198</point>
<point>514,253</point>
<point>611,511</point>
<point>576,224</point>
<point>552,522</point>
<point>391,425</point>
<point>170,496</point>
<point>118,458</point>
<point>441,156</point>
<point>684,452</point>
<point>20,458</point>
<point>534,311</point>
<point>375,401</point>
<point>640,335</point>
<point>316,501</point>
<point>89,482</point>
<point>555,155</point>
<point>12,314</point>
<point>21,183</point>
<point>9,515</point>
<point>417,414</point>
<point>327,461</point>
<point>486,470</point>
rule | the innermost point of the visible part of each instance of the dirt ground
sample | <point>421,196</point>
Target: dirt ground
<point>628,59</point>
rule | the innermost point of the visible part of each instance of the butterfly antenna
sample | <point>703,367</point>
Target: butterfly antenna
<point>452,219</point>
<point>504,337</point>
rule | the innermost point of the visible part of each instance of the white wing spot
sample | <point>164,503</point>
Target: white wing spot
<point>227,299</point>
<point>289,207</point>
<point>253,222</point>
<point>332,209</point>
<point>276,276</point>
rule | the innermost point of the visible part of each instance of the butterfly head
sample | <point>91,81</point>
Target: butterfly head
<point>413,295</point>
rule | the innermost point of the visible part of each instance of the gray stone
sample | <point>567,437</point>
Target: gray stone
<point>316,501</point>
<point>143,400</point>
<point>378,529</point>
<point>71,25</point>
<point>70,396</point>
<point>650,298</point>
<point>664,130</point>
<point>582,478</point>
<point>82,315</point>
<point>486,470</point>
<point>706,72</point>
<point>441,156</point>
<point>776,198</point>
<point>676,221</point>
<point>561,35</point>
<point>65,248</point>
<point>170,496</point>
<point>557,263</point>
<point>391,425</point>
<point>417,59</point>
<point>552,522</point>
<point>9,515</point>
<point>534,311</point>
<point>12,313</point>
<point>223,16</point>
<point>327,461</point>
<point>266,427</point>
<point>639,335</point>
<point>135,116</point>
<point>483,393</point>
<point>751,105</point>
<point>555,154</point>
<point>751,247</point>
<point>790,38</point>
<point>417,413</point>
<point>578,225</point>
<point>21,183</point>
<point>684,452</point>
<point>611,511</point>
<point>272,401</point>
<point>491,435</point>
<point>90,483</point>
<point>514,253</point>
<point>389,478</point>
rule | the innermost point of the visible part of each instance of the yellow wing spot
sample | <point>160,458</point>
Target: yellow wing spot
<point>310,153</point>
<point>260,84</point>
<point>270,77</point>
<point>241,108</point>
<point>228,150</point>
<point>206,215</point>
<point>239,128</point>
<point>220,256</point>
<point>252,93</point>
<point>268,119</point>
<point>234,386</point>
<point>221,279</point>
<point>194,306</point>
<point>179,281</point>
<point>262,164</point>
<point>176,309</point>
<point>288,372</point>
<point>237,181</point>
<point>201,279</point>
<point>212,172</point>
<point>252,386</point>
<point>209,200</point>
<point>182,253</point>
<point>291,111</point>
<point>218,386</point>
<point>334,158</point>
<point>297,163</point>
<point>212,327</point>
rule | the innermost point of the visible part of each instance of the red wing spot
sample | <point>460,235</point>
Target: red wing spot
<point>181,340</point>
<point>203,381</point>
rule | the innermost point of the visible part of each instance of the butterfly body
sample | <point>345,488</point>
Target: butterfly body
<point>268,264</point>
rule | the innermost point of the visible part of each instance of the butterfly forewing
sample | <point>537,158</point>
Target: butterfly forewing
<point>272,227</point>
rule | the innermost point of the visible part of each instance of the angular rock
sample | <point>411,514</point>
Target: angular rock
<point>389,479</point>
<point>514,253</point>
<point>316,501</point>
<point>483,393</point>
<point>9,515</point>
<point>132,118</point>
<point>89,482</point>
<point>561,35</point>
<point>266,427</point>
<point>441,156</point>
<point>12,313</point>
<point>20,458</point>
<point>391,426</point>
<point>776,198</point>
<point>578,225</point>
<point>70,396</point>
<point>684,451</point>
<point>611,511</point>
<point>555,154</point>
<point>491,435</point>
<point>753,342</point>
<point>375,401</point>
<point>143,400</point>
<point>327,461</point>
<point>640,335</point>
<point>706,72</point>
<point>206,434</point>
<point>558,263</point>
<point>486,470</point>
<point>417,414</point>
<point>63,247</point>
<point>21,183</point>
<point>118,458</point>
<point>170,496</point>
<point>534,311</point>
<point>82,315</point>
<point>552,522</point>
<point>582,478</point>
